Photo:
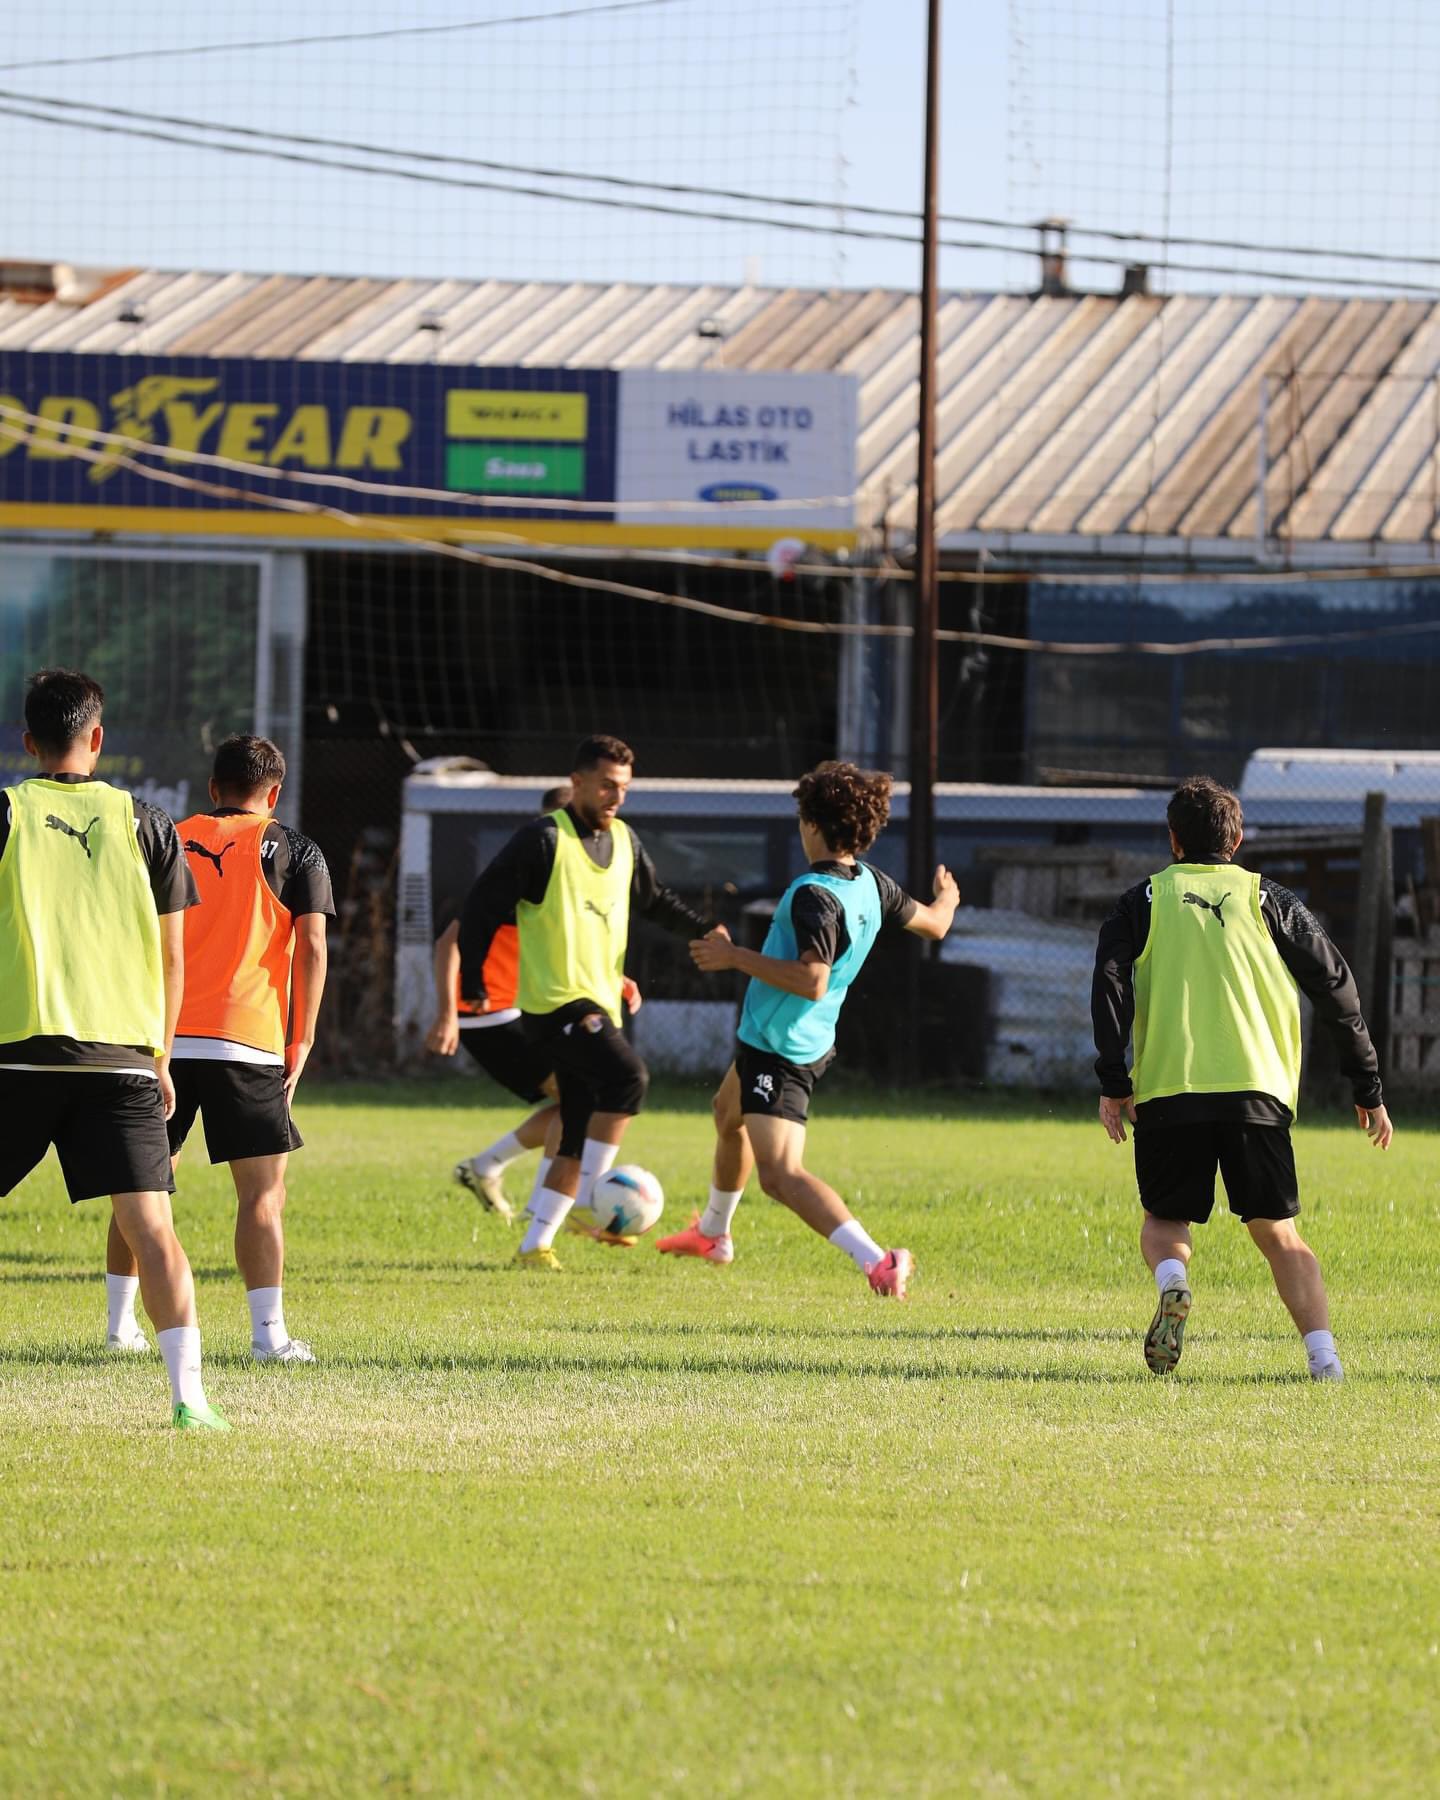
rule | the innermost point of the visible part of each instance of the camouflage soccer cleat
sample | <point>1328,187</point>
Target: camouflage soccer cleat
<point>487,1189</point>
<point>1166,1337</point>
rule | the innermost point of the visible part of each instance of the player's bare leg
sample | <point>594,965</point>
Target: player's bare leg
<point>708,1233</point>
<point>124,1333</point>
<point>483,1173</point>
<point>1165,1244</point>
<point>567,1184</point>
<point>260,1256</point>
<point>145,1222</point>
<point>779,1146</point>
<point>1296,1270</point>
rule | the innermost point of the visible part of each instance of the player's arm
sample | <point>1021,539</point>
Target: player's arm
<point>819,927</point>
<point>807,974</point>
<point>1323,975</point>
<point>173,890</point>
<point>933,919</point>
<point>653,900</point>
<point>308,965</point>
<point>1112,1007</point>
<point>443,1036</point>
<point>521,871</point>
<point>172,962</point>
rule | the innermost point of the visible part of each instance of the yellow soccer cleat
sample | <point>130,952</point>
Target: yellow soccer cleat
<point>538,1259</point>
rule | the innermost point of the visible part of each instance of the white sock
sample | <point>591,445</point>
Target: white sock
<point>180,1346</point>
<point>497,1155</point>
<point>1170,1273</point>
<point>596,1159</point>
<point>267,1318</point>
<point>719,1212</point>
<point>537,1186</point>
<point>120,1292</point>
<point>547,1215</point>
<point>857,1243</point>
<point>1320,1349</point>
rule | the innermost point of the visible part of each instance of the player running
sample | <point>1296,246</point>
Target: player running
<point>491,1032</point>
<point>1206,961</point>
<point>255,961</point>
<point>570,882</point>
<point>823,929</point>
<point>93,893</point>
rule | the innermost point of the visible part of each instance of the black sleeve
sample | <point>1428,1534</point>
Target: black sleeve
<point>520,872</point>
<point>171,882</point>
<point>654,901</point>
<point>896,906</point>
<point>819,922</point>
<point>1323,975</point>
<point>1112,992</point>
<point>295,871</point>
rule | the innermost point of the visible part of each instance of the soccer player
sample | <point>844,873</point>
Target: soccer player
<point>255,960</point>
<point>491,1032</point>
<point>571,880</point>
<point>1206,962</point>
<point>824,928</point>
<point>93,894</point>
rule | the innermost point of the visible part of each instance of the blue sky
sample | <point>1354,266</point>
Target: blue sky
<point>1252,119</point>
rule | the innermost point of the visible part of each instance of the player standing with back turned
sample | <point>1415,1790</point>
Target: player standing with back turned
<point>93,892</point>
<point>1206,961</point>
<point>255,962</point>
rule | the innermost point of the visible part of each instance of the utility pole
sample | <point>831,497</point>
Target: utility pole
<point>925,678</point>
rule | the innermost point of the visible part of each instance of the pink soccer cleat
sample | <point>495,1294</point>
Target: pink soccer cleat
<point>692,1241</point>
<point>891,1275</point>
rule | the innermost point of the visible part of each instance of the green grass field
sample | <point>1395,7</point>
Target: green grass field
<point>648,1529</point>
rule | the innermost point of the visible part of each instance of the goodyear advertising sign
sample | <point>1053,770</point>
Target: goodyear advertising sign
<point>511,436</point>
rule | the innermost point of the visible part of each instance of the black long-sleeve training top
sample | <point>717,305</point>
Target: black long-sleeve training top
<point>522,871</point>
<point>1320,972</point>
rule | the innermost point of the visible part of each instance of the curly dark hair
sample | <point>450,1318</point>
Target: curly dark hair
<point>848,806</point>
<point>1206,818</point>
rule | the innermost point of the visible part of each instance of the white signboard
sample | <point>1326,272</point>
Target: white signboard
<point>737,441</point>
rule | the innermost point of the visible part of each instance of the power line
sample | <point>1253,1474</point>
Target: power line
<point>338,37</point>
<point>797,202</point>
<point>266,149</point>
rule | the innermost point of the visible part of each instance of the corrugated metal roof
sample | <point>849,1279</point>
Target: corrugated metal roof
<point>1091,416</point>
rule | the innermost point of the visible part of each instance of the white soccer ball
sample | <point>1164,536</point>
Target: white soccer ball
<point>628,1201</point>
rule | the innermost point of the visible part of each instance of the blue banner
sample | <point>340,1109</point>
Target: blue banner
<point>506,434</point>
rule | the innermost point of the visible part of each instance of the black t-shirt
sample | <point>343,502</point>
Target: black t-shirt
<point>819,918</point>
<point>173,888</point>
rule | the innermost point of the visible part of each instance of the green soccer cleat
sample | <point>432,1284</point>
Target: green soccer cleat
<point>1166,1337</point>
<point>199,1418</point>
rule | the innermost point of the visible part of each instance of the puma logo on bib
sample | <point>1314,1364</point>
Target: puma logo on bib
<point>1195,900</point>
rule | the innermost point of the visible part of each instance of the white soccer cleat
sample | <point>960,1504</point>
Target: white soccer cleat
<point>487,1189</point>
<point>1330,1371</point>
<point>130,1342</point>
<point>296,1350</point>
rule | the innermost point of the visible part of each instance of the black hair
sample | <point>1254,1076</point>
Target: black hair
<point>848,806</point>
<point>247,765</point>
<point>1206,819</point>
<point>62,705</point>
<point>598,748</point>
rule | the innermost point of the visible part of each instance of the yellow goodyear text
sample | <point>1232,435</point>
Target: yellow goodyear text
<point>187,413</point>
<point>498,413</point>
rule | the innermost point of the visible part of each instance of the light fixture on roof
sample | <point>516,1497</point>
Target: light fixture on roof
<point>430,322</point>
<point>710,327</point>
<point>131,313</point>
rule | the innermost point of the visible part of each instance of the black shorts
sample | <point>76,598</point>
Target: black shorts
<point>507,1056</point>
<point>241,1105</point>
<point>1175,1166</point>
<point>596,1067</point>
<point>771,1088</point>
<point>108,1131</point>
